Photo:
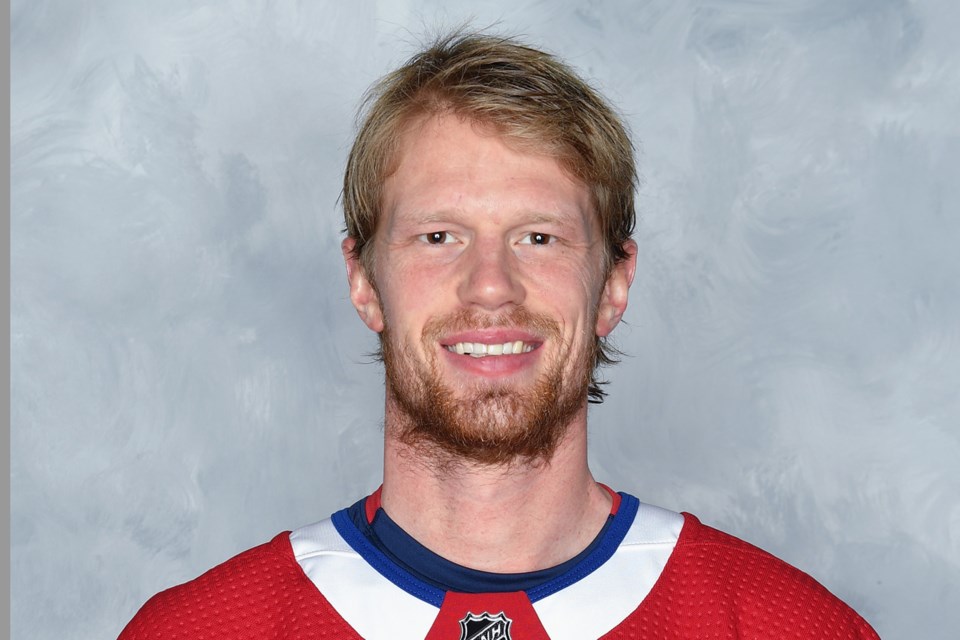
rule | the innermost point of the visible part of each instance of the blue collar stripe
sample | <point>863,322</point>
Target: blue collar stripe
<point>384,566</point>
<point>612,538</point>
<point>608,545</point>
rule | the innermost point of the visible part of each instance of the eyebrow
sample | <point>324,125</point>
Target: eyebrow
<point>558,217</point>
<point>545,218</point>
<point>427,218</point>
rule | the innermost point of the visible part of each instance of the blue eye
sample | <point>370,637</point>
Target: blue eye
<point>536,237</point>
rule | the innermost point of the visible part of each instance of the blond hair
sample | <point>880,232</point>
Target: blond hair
<point>529,97</point>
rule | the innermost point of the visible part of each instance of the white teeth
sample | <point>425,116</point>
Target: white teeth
<point>481,350</point>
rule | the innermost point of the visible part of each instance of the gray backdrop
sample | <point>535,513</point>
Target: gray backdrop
<point>189,377</point>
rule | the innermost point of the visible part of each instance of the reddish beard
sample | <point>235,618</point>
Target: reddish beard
<point>491,424</point>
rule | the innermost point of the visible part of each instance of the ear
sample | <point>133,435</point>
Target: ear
<point>613,300</point>
<point>362,293</point>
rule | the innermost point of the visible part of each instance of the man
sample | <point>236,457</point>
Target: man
<point>489,206</point>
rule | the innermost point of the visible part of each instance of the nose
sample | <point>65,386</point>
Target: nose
<point>491,277</point>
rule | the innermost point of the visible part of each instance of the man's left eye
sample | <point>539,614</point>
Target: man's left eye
<point>536,237</point>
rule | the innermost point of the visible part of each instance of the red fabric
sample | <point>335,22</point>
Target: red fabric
<point>720,587</point>
<point>260,594</point>
<point>371,504</point>
<point>616,497</point>
<point>524,622</point>
<point>714,586</point>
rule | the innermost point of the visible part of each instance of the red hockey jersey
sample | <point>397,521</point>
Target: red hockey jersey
<point>655,575</point>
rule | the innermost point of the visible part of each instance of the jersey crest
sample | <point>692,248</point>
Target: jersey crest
<point>485,627</point>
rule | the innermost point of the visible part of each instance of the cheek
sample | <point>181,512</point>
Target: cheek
<point>406,295</point>
<point>575,288</point>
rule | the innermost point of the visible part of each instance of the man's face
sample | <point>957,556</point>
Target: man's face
<point>489,292</point>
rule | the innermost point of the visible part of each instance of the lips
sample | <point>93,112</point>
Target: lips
<point>501,343</point>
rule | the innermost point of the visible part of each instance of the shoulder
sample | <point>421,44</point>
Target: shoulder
<point>716,576</point>
<point>236,599</point>
<point>727,560</point>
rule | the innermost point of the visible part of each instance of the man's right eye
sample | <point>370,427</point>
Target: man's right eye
<point>437,237</point>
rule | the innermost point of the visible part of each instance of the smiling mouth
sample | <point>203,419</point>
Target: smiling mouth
<point>483,350</point>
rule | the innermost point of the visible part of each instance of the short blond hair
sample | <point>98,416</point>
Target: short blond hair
<point>530,98</point>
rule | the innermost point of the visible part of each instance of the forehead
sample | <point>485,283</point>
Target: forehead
<point>446,163</point>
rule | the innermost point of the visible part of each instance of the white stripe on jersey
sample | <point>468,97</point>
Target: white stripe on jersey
<point>379,610</point>
<point>375,607</point>
<point>599,602</point>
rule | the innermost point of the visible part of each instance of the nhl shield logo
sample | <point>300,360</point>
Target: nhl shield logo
<point>485,627</point>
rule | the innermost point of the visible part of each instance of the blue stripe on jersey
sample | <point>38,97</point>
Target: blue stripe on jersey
<point>424,574</point>
<point>609,542</point>
<point>384,565</point>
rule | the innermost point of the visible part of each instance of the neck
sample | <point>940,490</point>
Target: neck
<point>481,516</point>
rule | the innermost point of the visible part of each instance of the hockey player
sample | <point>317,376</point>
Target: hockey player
<point>489,208</point>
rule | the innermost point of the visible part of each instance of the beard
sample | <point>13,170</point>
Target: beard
<point>489,424</point>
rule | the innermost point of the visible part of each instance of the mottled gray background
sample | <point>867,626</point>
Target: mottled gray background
<point>189,377</point>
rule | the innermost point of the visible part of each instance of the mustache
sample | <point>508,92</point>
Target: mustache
<point>516,318</point>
